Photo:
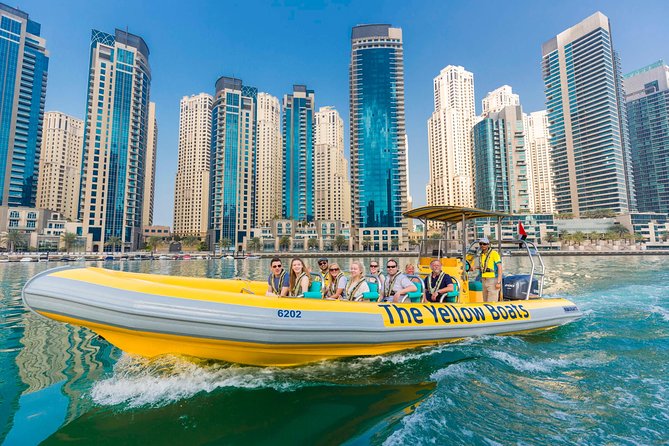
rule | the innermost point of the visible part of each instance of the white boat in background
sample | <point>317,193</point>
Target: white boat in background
<point>27,259</point>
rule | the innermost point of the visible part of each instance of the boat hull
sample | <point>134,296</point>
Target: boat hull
<point>232,320</point>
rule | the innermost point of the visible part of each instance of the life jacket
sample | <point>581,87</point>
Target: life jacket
<point>436,284</point>
<point>350,291</point>
<point>297,288</point>
<point>282,277</point>
<point>387,290</point>
<point>333,284</point>
<point>483,263</point>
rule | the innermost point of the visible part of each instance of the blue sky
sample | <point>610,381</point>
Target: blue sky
<point>275,44</point>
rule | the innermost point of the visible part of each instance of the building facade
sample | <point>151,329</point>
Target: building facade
<point>499,98</point>
<point>298,154</point>
<point>585,104</point>
<point>233,149</point>
<point>115,139</point>
<point>648,117</point>
<point>269,169</point>
<point>501,162</point>
<point>450,144</point>
<point>23,76</point>
<point>539,174</point>
<point>378,153</point>
<point>60,164</point>
<point>332,189</point>
<point>191,188</point>
<point>150,166</point>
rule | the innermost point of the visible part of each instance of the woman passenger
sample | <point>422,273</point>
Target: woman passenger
<point>299,278</point>
<point>410,270</point>
<point>356,285</point>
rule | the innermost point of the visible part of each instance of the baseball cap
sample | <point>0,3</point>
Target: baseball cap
<point>484,240</point>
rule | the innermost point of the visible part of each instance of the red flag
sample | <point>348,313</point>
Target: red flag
<point>521,231</point>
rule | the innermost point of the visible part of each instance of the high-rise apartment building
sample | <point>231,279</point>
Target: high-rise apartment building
<point>647,99</point>
<point>191,189</point>
<point>332,189</point>
<point>538,147</point>
<point>115,140</point>
<point>269,168</point>
<point>150,167</point>
<point>450,145</point>
<point>501,162</point>
<point>499,98</point>
<point>378,154</point>
<point>298,154</point>
<point>586,110</point>
<point>24,63</point>
<point>60,164</point>
<point>232,198</point>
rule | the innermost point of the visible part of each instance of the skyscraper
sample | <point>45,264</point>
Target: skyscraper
<point>450,145</point>
<point>269,170</point>
<point>115,139</point>
<point>586,111</point>
<point>378,154</point>
<point>191,188</point>
<point>233,163</point>
<point>499,98</point>
<point>648,115</point>
<point>150,167</point>
<point>23,73</point>
<point>332,189</point>
<point>537,144</point>
<point>298,154</point>
<point>60,164</point>
<point>501,161</point>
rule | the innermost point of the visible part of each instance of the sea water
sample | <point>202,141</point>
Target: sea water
<point>602,379</point>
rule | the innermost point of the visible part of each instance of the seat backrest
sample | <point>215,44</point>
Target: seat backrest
<point>315,287</point>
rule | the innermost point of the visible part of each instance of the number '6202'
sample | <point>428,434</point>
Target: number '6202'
<point>295,314</point>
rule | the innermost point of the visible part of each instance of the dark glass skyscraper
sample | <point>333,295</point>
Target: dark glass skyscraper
<point>298,154</point>
<point>647,95</point>
<point>24,63</point>
<point>378,136</point>
<point>232,158</point>
<point>115,139</point>
<point>586,110</point>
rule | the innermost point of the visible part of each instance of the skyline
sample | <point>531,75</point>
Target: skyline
<point>183,66</point>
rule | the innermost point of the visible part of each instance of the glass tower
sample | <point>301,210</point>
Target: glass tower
<point>115,140</point>
<point>24,62</point>
<point>500,160</point>
<point>378,154</point>
<point>298,154</point>
<point>586,111</point>
<point>233,162</point>
<point>648,117</point>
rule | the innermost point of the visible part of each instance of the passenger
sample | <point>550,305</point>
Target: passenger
<point>490,265</point>
<point>356,285</point>
<point>278,281</point>
<point>299,278</point>
<point>375,273</point>
<point>324,274</point>
<point>396,286</point>
<point>437,284</point>
<point>410,270</point>
<point>337,283</point>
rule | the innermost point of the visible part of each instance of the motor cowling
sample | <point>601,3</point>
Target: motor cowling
<point>515,287</point>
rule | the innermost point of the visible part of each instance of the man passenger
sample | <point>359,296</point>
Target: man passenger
<point>278,280</point>
<point>490,265</point>
<point>324,274</point>
<point>396,285</point>
<point>437,284</point>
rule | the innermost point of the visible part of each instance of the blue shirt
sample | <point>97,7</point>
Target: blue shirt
<point>273,281</point>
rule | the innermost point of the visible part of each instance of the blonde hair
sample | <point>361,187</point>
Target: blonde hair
<point>360,265</point>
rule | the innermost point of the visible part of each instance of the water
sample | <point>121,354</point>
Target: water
<point>602,379</point>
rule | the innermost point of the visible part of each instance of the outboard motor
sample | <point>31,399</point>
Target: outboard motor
<point>515,287</point>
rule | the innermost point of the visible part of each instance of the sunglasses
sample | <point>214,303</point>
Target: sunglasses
<point>334,269</point>
<point>322,263</point>
<point>484,244</point>
<point>276,266</point>
<point>391,266</point>
<point>373,266</point>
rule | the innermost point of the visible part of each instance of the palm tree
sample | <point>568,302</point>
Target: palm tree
<point>153,242</point>
<point>366,242</point>
<point>13,239</point>
<point>68,239</point>
<point>550,238</point>
<point>620,230</point>
<point>284,242</point>
<point>225,244</point>
<point>313,243</point>
<point>190,241</point>
<point>113,242</point>
<point>340,242</point>
<point>394,242</point>
<point>579,237</point>
<point>254,244</point>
